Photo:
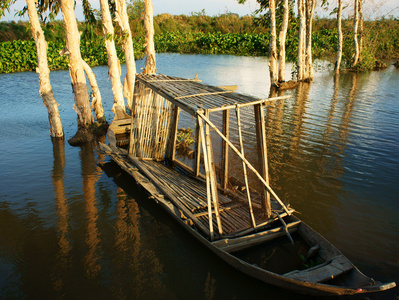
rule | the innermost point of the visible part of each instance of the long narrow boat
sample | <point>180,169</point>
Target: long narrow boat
<point>224,198</point>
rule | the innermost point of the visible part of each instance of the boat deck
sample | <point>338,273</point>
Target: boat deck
<point>189,194</point>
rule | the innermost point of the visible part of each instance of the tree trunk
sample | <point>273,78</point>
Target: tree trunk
<point>309,71</point>
<point>282,36</point>
<point>96,100</point>
<point>360,29</point>
<point>123,20</point>
<point>355,33</point>
<point>340,38</point>
<point>301,40</point>
<point>45,90</point>
<point>150,63</point>
<point>273,44</point>
<point>114,67</point>
<point>82,104</point>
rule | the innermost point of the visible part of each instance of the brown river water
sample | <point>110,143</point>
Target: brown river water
<point>74,226</point>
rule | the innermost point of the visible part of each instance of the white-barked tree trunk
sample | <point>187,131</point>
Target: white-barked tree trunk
<point>82,103</point>
<point>45,90</point>
<point>340,38</point>
<point>114,67</point>
<point>282,38</point>
<point>123,21</point>
<point>150,61</point>
<point>301,40</point>
<point>273,44</point>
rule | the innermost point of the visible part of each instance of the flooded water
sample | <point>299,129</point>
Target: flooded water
<point>73,226</point>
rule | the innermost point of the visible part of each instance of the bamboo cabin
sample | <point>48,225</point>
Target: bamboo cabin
<point>221,193</point>
<point>150,139</point>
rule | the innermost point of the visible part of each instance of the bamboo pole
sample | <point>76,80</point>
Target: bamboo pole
<point>203,94</point>
<point>212,175</point>
<point>241,105</point>
<point>173,134</point>
<point>225,150</point>
<point>200,113</point>
<point>262,155</point>
<point>244,168</point>
<point>206,166</point>
<point>197,161</point>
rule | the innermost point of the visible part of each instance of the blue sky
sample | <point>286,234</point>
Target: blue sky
<point>372,8</point>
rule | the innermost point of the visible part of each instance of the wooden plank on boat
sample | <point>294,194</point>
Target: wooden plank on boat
<point>240,243</point>
<point>169,194</point>
<point>336,266</point>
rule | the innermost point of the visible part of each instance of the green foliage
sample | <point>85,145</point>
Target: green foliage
<point>184,137</point>
<point>213,43</point>
<point>224,34</point>
<point>20,56</point>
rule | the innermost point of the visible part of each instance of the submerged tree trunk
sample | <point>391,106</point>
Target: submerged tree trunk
<point>282,36</point>
<point>150,62</point>
<point>123,21</point>
<point>273,44</point>
<point>340,38</point>
<point>114,68</point>
<point>82,104</point>
<point>45,90</point>
<point>96,101</point>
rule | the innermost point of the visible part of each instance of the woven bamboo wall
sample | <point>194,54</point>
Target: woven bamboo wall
<point>152,116</point>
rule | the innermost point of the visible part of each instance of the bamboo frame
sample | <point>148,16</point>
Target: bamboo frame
<point>201,114</point>
<point>225,150</point>
<point>203,94</point>
<point>173,135</point>
<point>262,155</point>
<point>260,101</point>
<point>208,183</point>
<point>244,168</point>
<point>212,175</point>
<point>197,161</point>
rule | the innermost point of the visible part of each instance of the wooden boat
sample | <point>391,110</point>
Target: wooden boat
<point>242,221</point>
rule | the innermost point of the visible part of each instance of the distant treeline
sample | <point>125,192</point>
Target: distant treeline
<point>198,33</point>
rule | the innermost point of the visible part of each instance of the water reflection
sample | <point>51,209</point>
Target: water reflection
<point>68,230</point>
<point>63,256</point>
<point>90,174</point>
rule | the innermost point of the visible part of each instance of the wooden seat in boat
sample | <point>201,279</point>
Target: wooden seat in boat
<point>323,272</point>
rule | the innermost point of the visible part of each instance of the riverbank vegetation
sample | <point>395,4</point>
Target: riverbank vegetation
<point>198,33</point>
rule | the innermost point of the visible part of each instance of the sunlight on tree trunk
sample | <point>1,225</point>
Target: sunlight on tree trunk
<point>340,38</point>
<point>273,44</point>
<point>301,40</point>
<point>310,7</point>
<point>96,100</point>
<point>355,33</point>
<point>45,90</point>
<point>114,68</point>
<point>150,62</point>
<point>82,104</point>
<point>123,21</point>
<point>360,29</point>
<point>282,37</point>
